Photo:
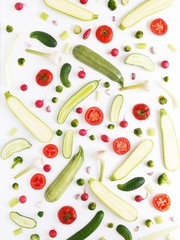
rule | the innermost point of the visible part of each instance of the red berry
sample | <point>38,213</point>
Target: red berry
<point>104,138</point>
<point>79,110</point>
<point>52,233</point>
<point>165,64</point>
<point>22,199</point>
<point>47,167</point>
<point>18,6</point>
<point>39,103</point>
<point>83,1</point>
<point>23,87</point>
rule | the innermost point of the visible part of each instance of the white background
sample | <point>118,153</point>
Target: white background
<point>28,20</point>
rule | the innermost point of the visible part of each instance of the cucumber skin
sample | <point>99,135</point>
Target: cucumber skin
<point>65,177</point>
<point>64,74</point>
<point>89,228</point>
<point>124,232</point>
<point>132,184</point>
<point>98,63</point>
<point>44,38</point>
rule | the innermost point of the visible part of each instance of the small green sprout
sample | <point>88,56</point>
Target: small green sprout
<point>17,160</point>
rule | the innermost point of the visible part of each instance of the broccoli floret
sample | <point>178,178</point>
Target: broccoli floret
<point>163,179</point>
<point>17,160</point>
<point>112,5</point>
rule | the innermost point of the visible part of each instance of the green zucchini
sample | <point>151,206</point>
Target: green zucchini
<point>140,60</point>
<point>142,11</point>
<point>135,158</point>
<point>64,74</point>
<point>67,144</point>
<point>80,95</point>
<point>65,177</point>
<point>132,184</point>
<point>44,38</point>
<point>116,108</point>
<point>73,10</point>
<point>98,63</point>
<point>171,152</point>
<point>89,228</point>
<point>22,221</point>
<point>30,121</point>
<point>124,232</point>
<point>13,146</point>
<point>118,205</point>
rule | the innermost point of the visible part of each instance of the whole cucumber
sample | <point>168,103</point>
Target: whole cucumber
<point>44,38</point>
<point>132,184</point>
<point>124,232</point>
<point>64,74</point>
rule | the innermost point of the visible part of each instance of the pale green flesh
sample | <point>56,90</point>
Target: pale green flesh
<point>144,10</point>
<point>71,9</point>
<point>22,221</point>
<point>75,99</point>
<point>119,206</point>
<point>135,158</point>
<point>14,146</point>
<point>171,153</point>
<point>116,108</point>
<point>67,143</point>
<point>140,60</point>
<point>32,123</point>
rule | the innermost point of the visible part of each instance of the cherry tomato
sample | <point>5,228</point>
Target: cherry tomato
<point>104,33</point>
<point>94,116</point>
<point>161,202</point>
<point>44,77</point>
<point>50,150</point>
<point>141,111</point>
<point>159,26</point>
<point>67,215</point>
<point>121,145</point>
<point>38,181</point>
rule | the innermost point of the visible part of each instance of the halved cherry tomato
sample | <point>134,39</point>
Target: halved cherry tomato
<point>44,77</point>
<point>38,181</point>
<point>94,116</point>
<point>159,26</point>
<point>104,33</point>
<point>67,215</point>
<point>141,111</point>
<point>50,150</point>
<point>162,202</point>
<point>121,145</point>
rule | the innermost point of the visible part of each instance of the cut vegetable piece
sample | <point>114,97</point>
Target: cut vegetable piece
<point>116,108</point>
<point>67,144</point>
<point>142,11</point>
<point>171,153</point>
<point>71,9</point>
<point>135,158</point>
<point>32,123</point>
<point>119,206</point>
<point>80,95</point>
<point>140,60</point>
<point>14,146</point>
<point>44,16</point>
<point>22,221</point>
<point>17,231</point>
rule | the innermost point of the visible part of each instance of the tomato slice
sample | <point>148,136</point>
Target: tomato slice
<point>104,33</point>
<point>38,181</point>
<point>94,116</point>
<point>121,145</point>
<point>50,150</point>
<point>162,202</point>
<point>44,77</point>
<point>141,111</point>
<point>67,215</point>
<point>159,26</point>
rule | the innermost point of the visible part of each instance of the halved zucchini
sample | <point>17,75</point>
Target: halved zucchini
<point>116,108</point>
<point>67,144</point>
<point>22,221</point>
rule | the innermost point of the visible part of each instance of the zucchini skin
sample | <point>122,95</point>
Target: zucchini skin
<point>89,228</point>
<point>44,38</point>
<point>132,184</point>
<point>98,63</point>
<point>124,232</point>
<point>65,177</point>
<point>64,74</point>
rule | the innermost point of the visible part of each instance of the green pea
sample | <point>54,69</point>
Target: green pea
<point>58,132</point>
<point>74,123</point>
<point>40,213</point>
<point>106,84</point>
<point>80,182</point>
<point>127,48</point>
<point>59,88</point>
<point>110,225</point>
<point>92,137</point>
<point>166,79</point>
<point>54,99</point>
<point>21,61</point>
<point>139,34</point>
<point>92,206</point>
<point>111,126</point>
<point>9,28</point>
<point>15,186</point>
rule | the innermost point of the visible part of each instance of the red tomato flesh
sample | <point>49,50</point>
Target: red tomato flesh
<point>159,26</point>
<point>104,33</point>
<point>141,111</point>
<point>162,202</point>
<point>44,77</point>
<point>38,181</point>
<point>67,215</point>
<point>121,145</point>
<point>50,150</point>
<point>94,116</point>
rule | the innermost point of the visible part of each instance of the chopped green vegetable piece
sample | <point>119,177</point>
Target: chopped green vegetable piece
<point>12,131</point>
<point>13,202</point>
<point>17,231</point>
<point>141,45</point>
<point>124,2</point>
<point>106,84</point>
<point>40,214</point>
<point>112,5</point>
<point>64,35</point>
<point>92,137</point>
<point>59,88</point>
<point>74,123</point>
<point>110,225</point>
<point>138,132</point>
<point>162,100</point>
<point>66,48</point>
<point>21,61</point>
<point>139,34</point>
<point>127,48</point>
<point>172,48</point>
<point>92,206</point>
<point>148,222</point>
<point>149,188</point>
<point>111,126</point>
<point>151,132</point>
<point>150,163</point>
<point>98,95</point>
<point>54,99</point>
<point>17,160</point>
<point>80,182</point>
<point>77,29</point>
<point>159,219</point>
<point>163,179</point>
<point>9,28</point>
<point>59,132</point>
<point>166,79</point>
<point>15,186</point>
<point>44,16</point>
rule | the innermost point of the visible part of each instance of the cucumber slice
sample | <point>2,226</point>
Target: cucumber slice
<point>16,145</point>
<point>136,157</point>
<point>142,11</point>
<point>32,123</point>
<point>116,108</point>
<point>119,206</point>
<point>67,143</point>
<point>140,60</point>
<point>171,153</point>
<point>22,221</point>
